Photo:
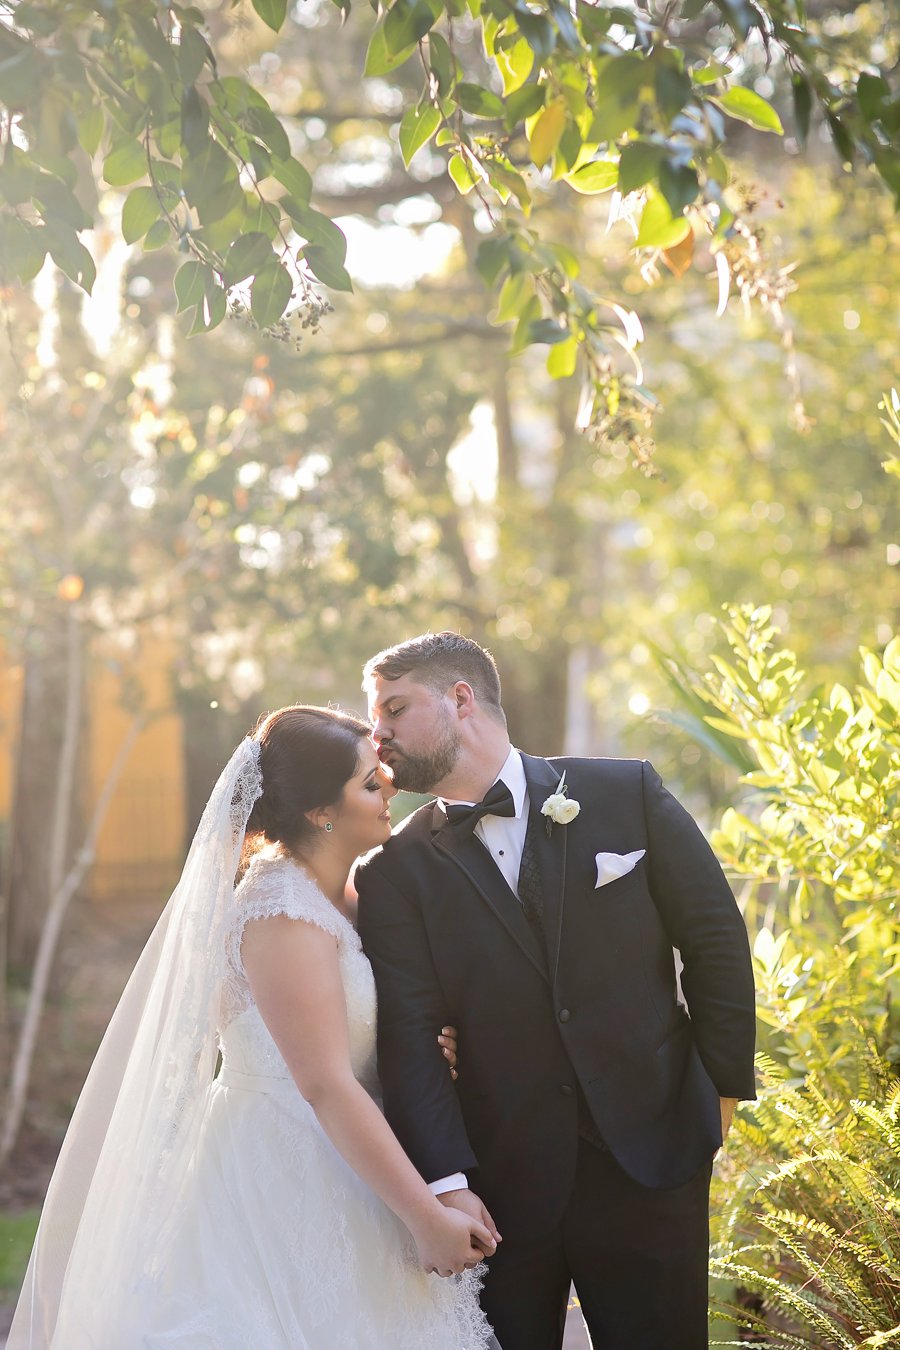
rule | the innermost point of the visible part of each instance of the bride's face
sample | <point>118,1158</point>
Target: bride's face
<point>363,818</point>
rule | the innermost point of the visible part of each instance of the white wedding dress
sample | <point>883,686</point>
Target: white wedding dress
<point>278,1244</point>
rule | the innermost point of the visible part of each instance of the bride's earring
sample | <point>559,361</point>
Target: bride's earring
<point>328,827</point>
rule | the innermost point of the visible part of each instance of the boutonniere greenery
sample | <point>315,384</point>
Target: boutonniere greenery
<point>560,808</point>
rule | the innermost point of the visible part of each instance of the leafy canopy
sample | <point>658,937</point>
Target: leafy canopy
<point>603,99</point>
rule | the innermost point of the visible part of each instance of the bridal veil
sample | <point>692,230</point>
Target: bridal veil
<point>113,1201</point>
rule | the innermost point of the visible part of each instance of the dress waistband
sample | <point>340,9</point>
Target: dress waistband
<point>256,1082</point>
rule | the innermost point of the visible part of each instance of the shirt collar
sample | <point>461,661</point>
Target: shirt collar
<point>512,774</point>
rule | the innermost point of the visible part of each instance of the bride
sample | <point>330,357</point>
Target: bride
<point>269,1207</point>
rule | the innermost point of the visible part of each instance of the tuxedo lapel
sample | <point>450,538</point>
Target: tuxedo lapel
<point>543,779</point>
<point>471,856</point>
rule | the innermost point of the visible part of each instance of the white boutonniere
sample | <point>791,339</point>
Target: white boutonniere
<point>560,808</point>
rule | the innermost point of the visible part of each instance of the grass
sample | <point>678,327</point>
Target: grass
<point>16,1238</point>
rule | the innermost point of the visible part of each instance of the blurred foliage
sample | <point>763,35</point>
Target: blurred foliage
<point>641,103</point>
<point>805,1202</point>
<point>16,1240</point>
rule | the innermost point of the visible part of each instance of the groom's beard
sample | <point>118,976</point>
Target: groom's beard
<point>419,773</point>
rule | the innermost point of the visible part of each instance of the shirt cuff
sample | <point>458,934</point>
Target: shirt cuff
<point>456,1182</point>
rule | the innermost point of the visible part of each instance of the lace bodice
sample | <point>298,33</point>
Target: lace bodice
<point>275,885</point>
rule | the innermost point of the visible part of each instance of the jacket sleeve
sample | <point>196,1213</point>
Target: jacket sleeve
<point>703,921</point>
<point>420,1100</point>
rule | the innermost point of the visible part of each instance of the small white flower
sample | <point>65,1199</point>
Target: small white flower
<point>560,808</point>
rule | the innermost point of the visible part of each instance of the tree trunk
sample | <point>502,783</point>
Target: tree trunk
<point>59,902</point>
<point>47,761</point>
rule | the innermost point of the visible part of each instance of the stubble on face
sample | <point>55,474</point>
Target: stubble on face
<point>422,770</point>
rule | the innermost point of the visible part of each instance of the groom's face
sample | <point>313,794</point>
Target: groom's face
<point>416,732</point>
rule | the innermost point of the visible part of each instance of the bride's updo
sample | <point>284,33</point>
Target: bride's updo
<point>307,755</point>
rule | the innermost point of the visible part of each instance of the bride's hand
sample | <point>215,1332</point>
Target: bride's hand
<point>448,1043</point>
<point>445,1242</point>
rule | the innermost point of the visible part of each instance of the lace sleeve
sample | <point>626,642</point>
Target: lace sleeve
<point>275,886</point>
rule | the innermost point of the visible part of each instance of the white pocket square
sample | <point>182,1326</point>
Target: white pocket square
<point>611,866</point>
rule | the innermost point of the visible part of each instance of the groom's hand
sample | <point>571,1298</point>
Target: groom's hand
<point>727,1106</point>
<point>468,1202</point>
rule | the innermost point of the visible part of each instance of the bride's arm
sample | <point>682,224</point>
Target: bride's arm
<point>294,976</point>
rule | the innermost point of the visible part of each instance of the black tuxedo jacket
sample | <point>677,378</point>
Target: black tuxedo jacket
<point>594,1005</point>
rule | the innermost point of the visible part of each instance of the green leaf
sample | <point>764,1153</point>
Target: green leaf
<point>194,120</point>
<point>477,101</point>
<point>193,53</point>
<point>841,136</point>
<point>292,175</point>
<point>745,105</point>
<point>547,330</point>
<point>317,228</point>
<point>58,203</point>
<point>157,236</point>
<point>673,88</point>
<point>871,92</point>
<point>325,267</point>
<point>716,70</point>
<point>273,13</point>
<point>516,295</point>
<point>521,337</point>
<point>562,359</point>
<point>247,256</point>
<point>462,173</point>
<point>638,164</point>
<point>546,131</point>
<point>598,176</point>
<point>23,248</point>
<point>210,312</point>
<point>492,257</point>
<point>441,62</point>
<point>262,123</point>
<point>678,184</point>
<point>210,182</point>
<point>802,106</point>
<point>90,125</point>
<point>405,24</point>
<point>505,180</point>
<point>379,59</point>
<point>140,211</point>
<point>658,227</point>
<point>538,32</point>
<point>416,129</point>
<point>125,163</point>
<point>270,294</point>
<point>524,103</point>
<point>515,64</point>
<point>71,257</point>
<point>190,284</point>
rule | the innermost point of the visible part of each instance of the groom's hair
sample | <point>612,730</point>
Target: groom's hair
<point>438,660</point>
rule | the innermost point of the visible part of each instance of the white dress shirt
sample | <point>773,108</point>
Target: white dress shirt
<point>504,839</point>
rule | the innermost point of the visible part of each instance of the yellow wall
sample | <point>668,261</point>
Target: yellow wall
<point>140,849</point>
<point>10,713</point>
<point>141,843</point>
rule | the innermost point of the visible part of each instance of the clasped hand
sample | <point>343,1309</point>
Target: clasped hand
<point>465,1235</point>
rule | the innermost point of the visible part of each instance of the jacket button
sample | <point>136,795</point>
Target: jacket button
<point>564,1014</point>
<point>567,1090</point>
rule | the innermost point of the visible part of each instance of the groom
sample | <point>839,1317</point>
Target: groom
<point>535,905</point>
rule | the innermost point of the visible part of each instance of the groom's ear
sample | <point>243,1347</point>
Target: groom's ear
<point>463,696</point>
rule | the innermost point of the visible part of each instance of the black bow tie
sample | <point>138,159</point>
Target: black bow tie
<point>498,801</point>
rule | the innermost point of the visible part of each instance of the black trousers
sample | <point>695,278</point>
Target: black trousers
<point>638,1259</point>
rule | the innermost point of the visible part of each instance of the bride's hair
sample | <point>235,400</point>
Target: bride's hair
<point>306,756</point>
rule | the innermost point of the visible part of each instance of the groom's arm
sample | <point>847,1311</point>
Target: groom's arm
<point>703,921</point>
<point>420,1101</point>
